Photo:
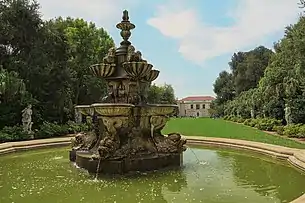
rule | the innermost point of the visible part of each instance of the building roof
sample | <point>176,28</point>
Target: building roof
<point>198,98</point>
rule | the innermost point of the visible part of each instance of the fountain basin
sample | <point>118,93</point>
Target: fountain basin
<point>216,175</point>
<point>86,110</point>
<point>106,109</point>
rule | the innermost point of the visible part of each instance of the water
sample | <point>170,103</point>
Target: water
<point>218,176</point>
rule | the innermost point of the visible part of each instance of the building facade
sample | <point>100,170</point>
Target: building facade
<point>196,106</point>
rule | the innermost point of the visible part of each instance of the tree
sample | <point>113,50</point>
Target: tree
<point>248,68</point>
<point>87,45</point>
<point>52,58</point>
<point>13,97</point>
<point>161,94</point>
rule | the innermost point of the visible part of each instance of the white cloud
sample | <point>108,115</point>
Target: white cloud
<point>254,20</point>
<point>104,13</point>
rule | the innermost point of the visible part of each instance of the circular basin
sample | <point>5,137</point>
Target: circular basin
<point>86,110</point>
<point>160,109</point>
<point>105,109</point>
<point>208,175</point>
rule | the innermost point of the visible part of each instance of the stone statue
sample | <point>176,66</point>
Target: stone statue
<point>27,119</point>
<point>288,114</point>
<point>252,113</point>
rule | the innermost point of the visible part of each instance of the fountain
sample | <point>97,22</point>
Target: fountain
<point>126,133</point>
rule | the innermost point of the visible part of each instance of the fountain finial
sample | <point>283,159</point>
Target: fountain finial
<point>125,15</point>
<point>125,26</point>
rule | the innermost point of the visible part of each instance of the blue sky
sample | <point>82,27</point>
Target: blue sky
<point>189,41</point>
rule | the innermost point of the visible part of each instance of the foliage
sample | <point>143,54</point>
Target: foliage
<point>265,82</point>
<point>46,130</point>
<point>161,94</point>
<point>14,133</point>
<point>13,97</point>
<point>267,124</point>
<point>48,60</point>
<point>296,130</point>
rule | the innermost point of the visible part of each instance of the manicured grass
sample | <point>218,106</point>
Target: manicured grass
<point>219,128</point>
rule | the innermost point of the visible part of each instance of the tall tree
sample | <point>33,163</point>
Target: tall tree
<point>248,68</point>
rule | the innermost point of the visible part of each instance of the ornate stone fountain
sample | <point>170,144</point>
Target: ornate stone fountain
<point>126,133</point>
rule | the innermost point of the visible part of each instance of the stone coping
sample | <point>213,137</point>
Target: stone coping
<point>294,156</point>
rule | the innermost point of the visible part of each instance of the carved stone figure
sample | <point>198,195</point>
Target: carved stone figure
<point>27,119</point>
<point>111,140</point>
<point>133,55</point>
<point>130,53</point>
<point>110,57</point>
<point>288,114</point>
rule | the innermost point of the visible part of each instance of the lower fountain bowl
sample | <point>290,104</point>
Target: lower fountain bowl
<point>140,164</point>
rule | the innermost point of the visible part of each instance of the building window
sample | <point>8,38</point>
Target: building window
<point>192,106</point>
<point>197,114</point>
<point>197,106</point>
<point>203,106</point>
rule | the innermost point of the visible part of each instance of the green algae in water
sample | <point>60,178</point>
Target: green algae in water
<point>219,176</point>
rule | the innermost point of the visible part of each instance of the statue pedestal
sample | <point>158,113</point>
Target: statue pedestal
<point>126,165</point>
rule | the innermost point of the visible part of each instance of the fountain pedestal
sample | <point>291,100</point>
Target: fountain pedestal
<point>126,165</point>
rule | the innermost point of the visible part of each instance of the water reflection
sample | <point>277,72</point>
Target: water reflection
<point>261,175</point>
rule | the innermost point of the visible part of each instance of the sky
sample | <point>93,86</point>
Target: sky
<point>189,41</point>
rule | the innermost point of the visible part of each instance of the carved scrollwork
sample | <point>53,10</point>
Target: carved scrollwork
<point>158,122</point>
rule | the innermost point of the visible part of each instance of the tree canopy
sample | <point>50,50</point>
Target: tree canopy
<point>265,81</point>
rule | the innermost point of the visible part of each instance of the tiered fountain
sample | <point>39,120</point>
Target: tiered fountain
<point>126,132</point>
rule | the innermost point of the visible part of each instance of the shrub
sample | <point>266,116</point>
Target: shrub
<point>279,129</point>
<point>47,130</point>
<point>267,124</point>
<point>240,120</point>
<point>4,137</point>
<point>295,130</point>
<point>75,127</point>
<point>226,117</point>
<point>14,133</point>
<point>301,132</point>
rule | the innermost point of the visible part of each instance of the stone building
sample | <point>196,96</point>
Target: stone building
<point>195,106</point>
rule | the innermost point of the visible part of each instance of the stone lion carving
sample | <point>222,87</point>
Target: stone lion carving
<point>83,141</point>
<point>170,144</point>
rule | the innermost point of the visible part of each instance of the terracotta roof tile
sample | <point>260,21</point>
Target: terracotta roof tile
<point>198,98</point>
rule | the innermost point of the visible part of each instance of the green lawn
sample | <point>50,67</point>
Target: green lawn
<point>219,128</point>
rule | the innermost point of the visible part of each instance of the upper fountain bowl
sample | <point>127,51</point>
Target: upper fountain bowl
<point>103,70</point>
<point>137,70</point>
<point>152,75</point>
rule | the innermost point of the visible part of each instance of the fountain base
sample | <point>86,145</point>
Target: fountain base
<point>121,166</point>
